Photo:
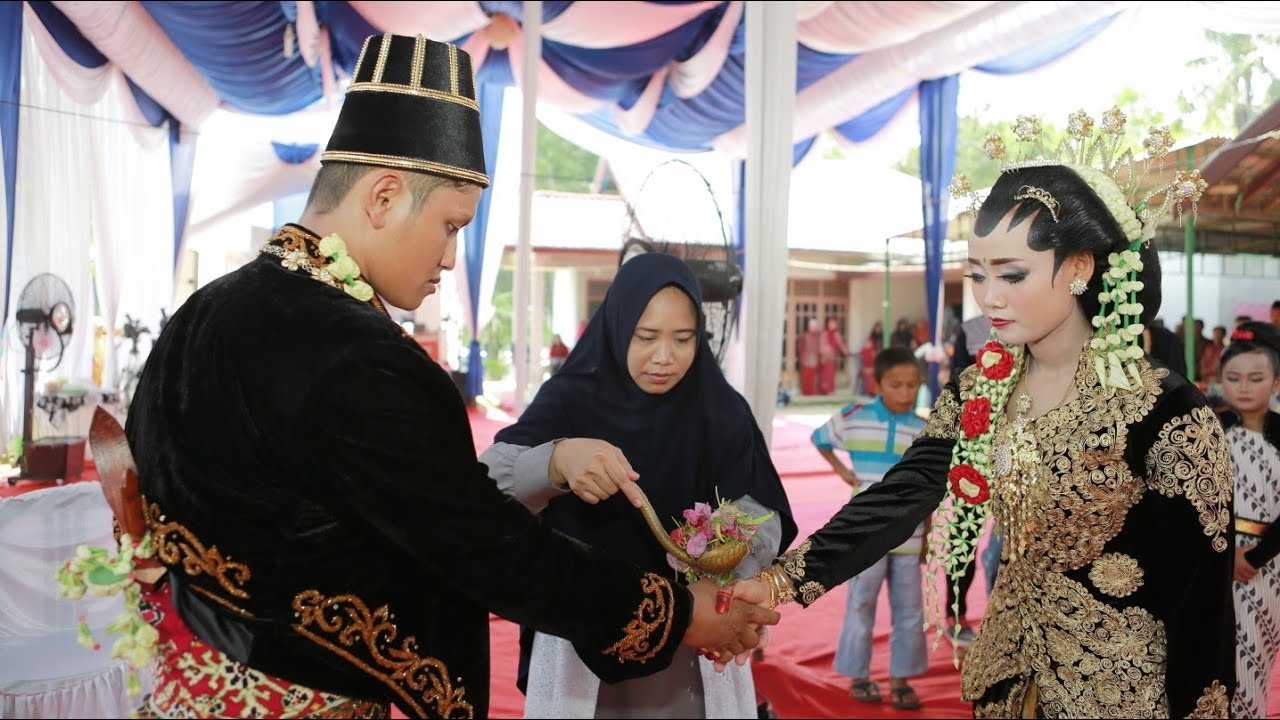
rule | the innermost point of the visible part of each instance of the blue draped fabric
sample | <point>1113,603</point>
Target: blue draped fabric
<point>490,99</point>
<point>10,97</point>
<point>1045,52</point>
<point>182,161</point>
<point>621,73</point>
<point>67,35</point>
<point>938,128</point>
<point>693,123</point>
<point>868,124</point>
<point>294,154</point>
<point>238,47</point>
<point>347,31</point>
<point>551,9</point>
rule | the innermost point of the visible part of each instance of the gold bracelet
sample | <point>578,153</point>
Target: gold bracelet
<point>781,590</point>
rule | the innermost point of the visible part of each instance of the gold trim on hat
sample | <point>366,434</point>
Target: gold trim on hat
<point>453,68</point>
<point>364,49</point>
<point>404,163</point>
<point>419,51</point>
<point>383,51</point>
<point>418,92</point>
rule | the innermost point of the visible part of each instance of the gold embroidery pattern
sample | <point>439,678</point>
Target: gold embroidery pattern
<point>655,614</point>
<point>345,626</point>
<point>811,591</point>
<point>1191,458</point>
<point>1214,703</point>
<point>174,543</point>
<point>1087,659</point>
<point>944,420</point>
<point>1116,574</point>
<point>225,688</point>
<point>300,251</point>
<point>793,561</point>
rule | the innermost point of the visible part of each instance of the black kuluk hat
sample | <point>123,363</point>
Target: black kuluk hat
<point>411,105</point>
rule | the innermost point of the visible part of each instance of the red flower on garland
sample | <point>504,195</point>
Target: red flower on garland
<point>968,484</point>
<point>996,362</point>
<point>975,416</point>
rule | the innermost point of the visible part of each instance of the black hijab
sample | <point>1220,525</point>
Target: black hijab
<point>698,438</point>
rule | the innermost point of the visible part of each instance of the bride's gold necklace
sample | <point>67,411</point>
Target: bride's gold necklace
<point>1016,462</point>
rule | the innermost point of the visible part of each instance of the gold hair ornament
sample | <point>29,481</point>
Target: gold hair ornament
<point>1096,152</point>
<point>1042,195</point>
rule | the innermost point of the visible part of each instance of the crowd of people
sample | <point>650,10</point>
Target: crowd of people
<point>326,541</point>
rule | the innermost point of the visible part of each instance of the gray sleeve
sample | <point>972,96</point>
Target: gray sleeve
<point>764,544</point>
<point>522,473</point>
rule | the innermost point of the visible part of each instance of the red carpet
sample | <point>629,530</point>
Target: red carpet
<point>796,674</point>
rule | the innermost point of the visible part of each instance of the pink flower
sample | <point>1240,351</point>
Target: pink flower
<point>676,564</point>
<point>700,514</point>
<point>677,537</point>
<point>697,545</point>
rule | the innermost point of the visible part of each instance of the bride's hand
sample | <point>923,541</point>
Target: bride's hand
<point>593,470</point>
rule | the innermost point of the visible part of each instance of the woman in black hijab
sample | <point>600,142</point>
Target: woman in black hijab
<point>640,399</point>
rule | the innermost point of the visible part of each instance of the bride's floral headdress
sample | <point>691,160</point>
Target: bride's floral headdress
<point>1096,152</point>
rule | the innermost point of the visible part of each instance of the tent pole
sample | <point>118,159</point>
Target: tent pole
<point>529,150</point>
<point>884,302</point>
<point>1189,336</point>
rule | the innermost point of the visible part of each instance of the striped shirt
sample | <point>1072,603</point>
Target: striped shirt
<point>875,439</point>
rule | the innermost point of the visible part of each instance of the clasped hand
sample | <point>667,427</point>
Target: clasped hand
<point>730,636</point>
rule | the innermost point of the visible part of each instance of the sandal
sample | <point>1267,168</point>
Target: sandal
<point>865,691</point>
<point>904,697</point>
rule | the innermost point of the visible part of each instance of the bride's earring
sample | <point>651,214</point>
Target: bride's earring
<point>1078,286</point>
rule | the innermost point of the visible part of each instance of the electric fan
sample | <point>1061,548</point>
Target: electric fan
<point>675,212</point>
<point>44,321</point>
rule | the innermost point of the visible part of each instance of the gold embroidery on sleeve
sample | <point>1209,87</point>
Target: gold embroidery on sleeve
<point>345,626</point>
<point>174,543</point>
<point>811,591</point>
<point>1214,703</point>
<point>1116,574</point>
<point>944,420</point>
<point>1190,457</point>
<point>654,615</point>
<point>793,561</point>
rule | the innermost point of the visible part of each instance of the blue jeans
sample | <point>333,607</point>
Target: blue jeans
<point>908,655</point>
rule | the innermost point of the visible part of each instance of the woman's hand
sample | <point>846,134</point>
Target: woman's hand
<point>1244,571</point>
<point>593,470</point>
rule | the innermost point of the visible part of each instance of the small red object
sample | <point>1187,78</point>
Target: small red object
<point>724,599</point>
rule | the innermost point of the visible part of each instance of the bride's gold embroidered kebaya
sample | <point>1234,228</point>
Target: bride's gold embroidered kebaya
<point>1113,597</point>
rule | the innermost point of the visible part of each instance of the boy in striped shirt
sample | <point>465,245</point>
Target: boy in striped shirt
<point>875,434</point>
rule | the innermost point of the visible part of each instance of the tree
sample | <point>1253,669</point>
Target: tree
<point>561,165</point>
<point>1248,85</point>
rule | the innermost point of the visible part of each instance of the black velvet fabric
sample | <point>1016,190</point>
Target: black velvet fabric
<point>1187,584</point>
<point>1269,543</point>
<point>303,435</point>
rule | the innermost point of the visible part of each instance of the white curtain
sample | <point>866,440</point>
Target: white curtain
<point>53,206</point>
<point>91,177</point>
<point>132,223</point>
